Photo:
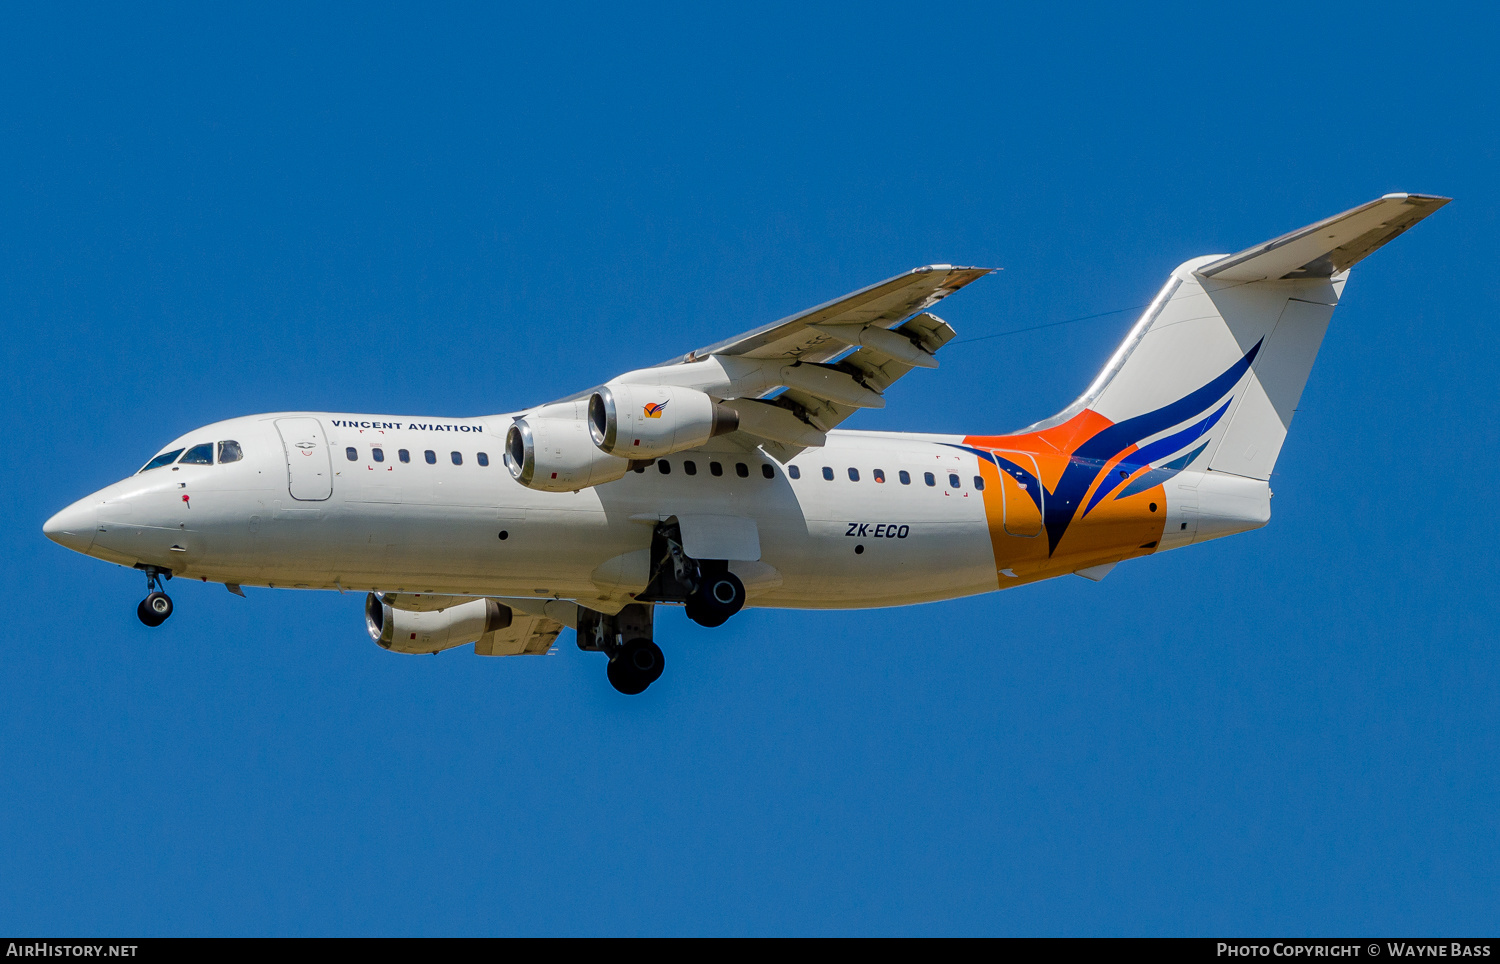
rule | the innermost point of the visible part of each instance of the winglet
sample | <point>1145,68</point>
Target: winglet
<point>1332,245</point>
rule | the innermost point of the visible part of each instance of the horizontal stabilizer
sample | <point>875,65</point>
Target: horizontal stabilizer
<point>1323,249</point>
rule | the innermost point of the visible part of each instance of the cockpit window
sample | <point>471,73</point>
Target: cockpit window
<point>165,458</point>
<point>200,455</point>
<point>230,452</point>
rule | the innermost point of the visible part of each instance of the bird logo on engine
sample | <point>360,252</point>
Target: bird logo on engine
<point>653,409</point>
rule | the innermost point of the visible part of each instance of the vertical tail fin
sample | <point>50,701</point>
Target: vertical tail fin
<point>1215,367</point>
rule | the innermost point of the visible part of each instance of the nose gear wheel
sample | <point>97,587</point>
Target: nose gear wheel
<point>157,606</point>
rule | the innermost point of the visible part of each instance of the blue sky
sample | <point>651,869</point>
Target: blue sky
<point>210,212</point>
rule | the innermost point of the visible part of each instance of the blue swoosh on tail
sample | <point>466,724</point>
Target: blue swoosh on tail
<point>1142,457</point>
<point>1064,501</point>
<point>1157,476</point>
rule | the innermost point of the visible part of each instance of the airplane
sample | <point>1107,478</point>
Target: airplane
<point>719,479</point>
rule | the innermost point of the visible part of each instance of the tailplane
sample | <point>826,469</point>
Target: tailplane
<point>1211,374</point>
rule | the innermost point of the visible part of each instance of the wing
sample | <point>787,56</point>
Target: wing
<point>794,379</point>
<point>527,635</point>
<point>881,305</point>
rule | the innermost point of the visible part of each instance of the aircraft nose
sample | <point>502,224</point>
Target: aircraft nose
<point>74,526</point>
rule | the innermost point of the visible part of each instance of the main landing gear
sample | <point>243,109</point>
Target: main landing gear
<point>635,662</point>
<point>710,592</point>
<point>706,587</point>
<point>719,595</point>
<point>636,666</point>
<point>157,606</point>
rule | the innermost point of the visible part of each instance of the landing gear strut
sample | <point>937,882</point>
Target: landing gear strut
<point>157,606</point>
<point>635,662</point>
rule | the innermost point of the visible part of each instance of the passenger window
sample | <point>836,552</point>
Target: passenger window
<point>715,469</point>
<point>767,471</point>
<point>879,475</point>
<point>794,471</point>
<point>403,455</point>
<point>200,455</point>
<point>928,478</point>
<point>979,482</point>
<point>430,456</point>
<point>664,467</point>
<point>484,458</point>
<point>378,454</point>
<point>953,481</point>
<point>230,452</point>
<point>853,474</point>
<point>742,470</point>
<point>165,458</point>
<point>828,473</point>
<point>690,467</point>
<point>458,459</point>
<point>352,452</point>
<point>905,477</point>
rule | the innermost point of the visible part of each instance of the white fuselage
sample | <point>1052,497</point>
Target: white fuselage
<point>436,527</point>
<point>438,513</point>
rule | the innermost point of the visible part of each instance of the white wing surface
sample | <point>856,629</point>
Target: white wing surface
<point>881,305</point>
<point>794,379</point>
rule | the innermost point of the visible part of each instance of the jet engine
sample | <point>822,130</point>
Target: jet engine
<point>649,421</point>
<point>405,631</point>
<point>556,455</point>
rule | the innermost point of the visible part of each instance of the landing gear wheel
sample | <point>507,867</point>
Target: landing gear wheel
<point>718,597</point>
<point>155,608</point>
<point>637,665</point>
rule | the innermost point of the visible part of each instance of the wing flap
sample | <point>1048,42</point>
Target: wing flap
<point>817,413</point>
<point>879,370</point>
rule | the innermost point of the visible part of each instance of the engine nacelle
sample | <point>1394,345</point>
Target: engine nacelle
<point>556,455</point>
<point>649,421</point>
<point>405,631</point>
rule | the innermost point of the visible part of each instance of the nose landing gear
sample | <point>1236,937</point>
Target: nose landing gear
<point>157,606</point>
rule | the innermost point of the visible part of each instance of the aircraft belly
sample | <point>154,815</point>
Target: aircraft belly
<point>451,548</point>
<point>936,560</point>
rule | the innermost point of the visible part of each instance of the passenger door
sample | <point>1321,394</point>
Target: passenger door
<point>308,468</point>
<point>1023,513</point>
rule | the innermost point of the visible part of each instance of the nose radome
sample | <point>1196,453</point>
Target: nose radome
<point>74,526</point>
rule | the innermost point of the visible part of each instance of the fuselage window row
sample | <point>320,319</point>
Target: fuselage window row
<point>230,451</point>
<point>716,469</point>
<point>376,453</point>
<point>954,481</point>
